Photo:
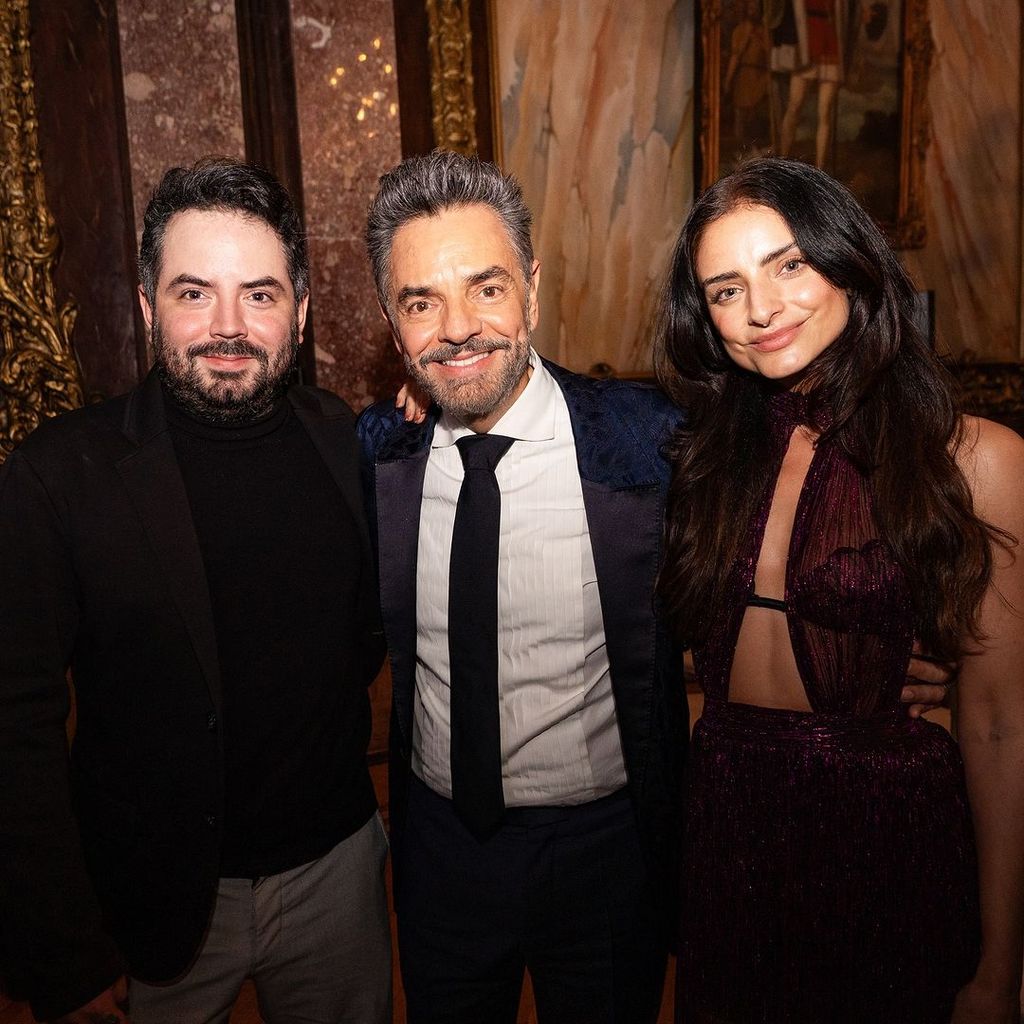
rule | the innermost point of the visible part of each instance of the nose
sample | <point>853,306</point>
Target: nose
<point>461,322</point>
<point>228,320</point>
<point>763,303</point>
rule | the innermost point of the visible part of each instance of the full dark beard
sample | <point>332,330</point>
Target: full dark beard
<point>228,399</point>
<point>477,398</point>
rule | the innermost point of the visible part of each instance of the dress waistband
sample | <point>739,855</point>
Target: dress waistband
<point>783,723</point>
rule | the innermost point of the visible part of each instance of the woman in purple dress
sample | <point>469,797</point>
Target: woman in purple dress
<point>845,862</point>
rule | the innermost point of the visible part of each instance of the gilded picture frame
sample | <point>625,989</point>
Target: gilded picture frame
<point>840,83</point>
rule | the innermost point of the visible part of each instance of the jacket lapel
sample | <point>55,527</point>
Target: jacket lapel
<point>154,484</point>
<point>399,476</point>
<point>622,494</point>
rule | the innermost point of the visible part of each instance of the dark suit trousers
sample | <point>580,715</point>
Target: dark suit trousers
<point>559,891</point>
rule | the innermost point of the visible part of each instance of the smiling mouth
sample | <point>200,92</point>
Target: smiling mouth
<point>460,357</point>
<point>232,361</point>
<point>466,360</point>
<point>776,339</point>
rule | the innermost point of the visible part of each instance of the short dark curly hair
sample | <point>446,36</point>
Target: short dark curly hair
<point>219,183</point>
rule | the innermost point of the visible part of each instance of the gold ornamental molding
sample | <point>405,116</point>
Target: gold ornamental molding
<point>915,125</point>
<point>451,75</point>
<point>39,375</point>
<point>995,390</point>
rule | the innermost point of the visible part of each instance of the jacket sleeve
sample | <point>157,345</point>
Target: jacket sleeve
<point>53,949</point>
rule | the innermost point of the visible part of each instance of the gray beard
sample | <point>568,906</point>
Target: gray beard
<point>472,399</point>
<point>226,400</point>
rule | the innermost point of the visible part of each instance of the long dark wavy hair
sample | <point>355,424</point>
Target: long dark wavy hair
<point>877,391</point>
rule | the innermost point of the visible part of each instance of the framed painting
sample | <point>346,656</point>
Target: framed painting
<point>838,83</point>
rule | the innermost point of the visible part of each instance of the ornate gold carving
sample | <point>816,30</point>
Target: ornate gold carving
<point>915,126</point>
<point>710,108</point>
<point>39,375</point>
<point>994,390</point>
<point>451,75</point>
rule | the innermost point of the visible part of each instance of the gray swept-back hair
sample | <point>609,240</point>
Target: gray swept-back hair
<point>424,186</point>
<point>219,183</point>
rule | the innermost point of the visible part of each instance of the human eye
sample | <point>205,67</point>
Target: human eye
<point>191,294</point>
<point>723,295</point>
<point>261,298</point>
<point>492,291</point>
<point>792,264</point>
<point>417,307</point>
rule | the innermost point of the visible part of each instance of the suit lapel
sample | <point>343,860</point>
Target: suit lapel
<point>399,469</point>
<point>623,501</point>
<point>399,491</point>
<point>154,484</point>
<point>626,561</point>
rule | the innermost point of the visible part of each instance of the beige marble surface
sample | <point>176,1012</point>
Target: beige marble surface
<point>181,86</point>
<point>349,132</point>
<point>972,259</point>
<point>596,120</point>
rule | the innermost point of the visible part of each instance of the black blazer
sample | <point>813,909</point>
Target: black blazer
<point>112,860</point>
<point>619,428</point>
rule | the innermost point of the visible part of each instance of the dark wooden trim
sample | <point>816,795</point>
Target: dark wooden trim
<point>483,98</point>
<point>83,143</point>
<point>270,113</point>
<point>412,55</point>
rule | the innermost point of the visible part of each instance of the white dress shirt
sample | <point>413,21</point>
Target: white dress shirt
<point>559,734</point>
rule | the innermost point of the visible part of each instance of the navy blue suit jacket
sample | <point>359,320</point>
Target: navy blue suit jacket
<point>619,428</point>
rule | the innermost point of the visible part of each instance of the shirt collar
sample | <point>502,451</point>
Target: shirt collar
<point>530,418</point>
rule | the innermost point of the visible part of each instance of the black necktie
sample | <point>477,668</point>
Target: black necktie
<point>473,638</point>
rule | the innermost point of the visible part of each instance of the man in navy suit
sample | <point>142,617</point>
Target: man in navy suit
<point>574,882</point>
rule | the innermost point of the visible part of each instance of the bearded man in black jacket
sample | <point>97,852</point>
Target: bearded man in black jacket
<point>196,554</point>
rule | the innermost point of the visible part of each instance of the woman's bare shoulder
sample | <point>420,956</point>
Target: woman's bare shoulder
<point>991,458</point>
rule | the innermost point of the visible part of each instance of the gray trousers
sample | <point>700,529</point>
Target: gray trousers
<point>314,940</point>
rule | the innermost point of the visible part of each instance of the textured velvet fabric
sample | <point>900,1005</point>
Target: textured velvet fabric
<point>829,872</point>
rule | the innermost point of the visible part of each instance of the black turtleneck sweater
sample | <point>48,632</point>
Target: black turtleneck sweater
<point>282,562</point>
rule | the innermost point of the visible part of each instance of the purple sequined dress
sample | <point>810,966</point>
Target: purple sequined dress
<point>829,874</point>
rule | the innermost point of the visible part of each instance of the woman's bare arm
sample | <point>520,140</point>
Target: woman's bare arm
<point>991,728</point>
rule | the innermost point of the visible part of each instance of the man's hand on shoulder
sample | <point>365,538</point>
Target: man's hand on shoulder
<point>413,401</point>
<point>107,1008</point>
<point>928,683</point>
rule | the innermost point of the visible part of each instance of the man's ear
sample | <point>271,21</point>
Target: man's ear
<point>147,309</point>
<point>301,308</point>
<point>395,336</point>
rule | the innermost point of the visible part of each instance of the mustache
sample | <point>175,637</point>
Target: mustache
<point>441,353</point>
<point>234,347</point>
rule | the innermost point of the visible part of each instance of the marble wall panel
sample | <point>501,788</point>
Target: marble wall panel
<point>181,86</point>
<point>596,120</point>
<point>972,259</point>
<point>349,128</point>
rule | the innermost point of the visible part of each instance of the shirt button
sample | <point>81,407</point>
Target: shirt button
<point>211,722</point>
